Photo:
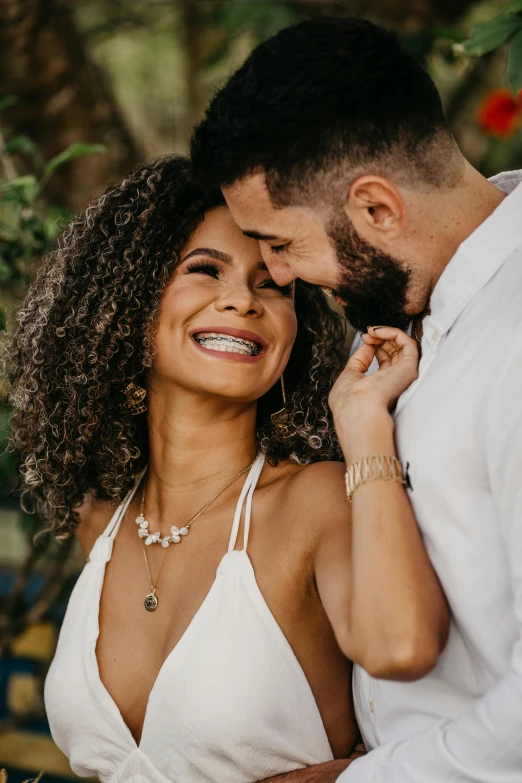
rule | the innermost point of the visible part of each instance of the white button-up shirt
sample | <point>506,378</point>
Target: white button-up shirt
<point>459,426</point>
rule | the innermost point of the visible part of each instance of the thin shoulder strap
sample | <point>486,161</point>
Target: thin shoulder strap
<point>114,525</point>
<point>251,481</point>
<point>248,510</point>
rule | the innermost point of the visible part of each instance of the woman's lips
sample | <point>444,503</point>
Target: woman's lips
<point>235,357</point>
<point>241,334</point>
<point>228,342</point>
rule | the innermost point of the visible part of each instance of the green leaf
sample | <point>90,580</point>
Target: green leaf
<point>514,63</point>
<point>21,144</point>
<point>19,182</point>
<point>487,36</point>
<point>76,150</point>
<point>448,34</point>
<point>24,189</point>
<point>6,102</point>
<point>514,8</point>
<point>6,272</point>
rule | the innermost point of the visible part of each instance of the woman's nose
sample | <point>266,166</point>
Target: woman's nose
<point>239,299</point>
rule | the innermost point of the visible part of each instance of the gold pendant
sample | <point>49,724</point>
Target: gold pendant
<point>151,602</point>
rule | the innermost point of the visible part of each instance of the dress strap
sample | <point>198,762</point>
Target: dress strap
<point>248,488</point>
<point>114,525</point>
<point>248,510</point>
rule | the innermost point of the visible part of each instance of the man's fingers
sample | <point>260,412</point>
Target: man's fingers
<point>358,751</point>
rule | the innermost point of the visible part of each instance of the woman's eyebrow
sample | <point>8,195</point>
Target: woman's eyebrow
<point>209,251</point>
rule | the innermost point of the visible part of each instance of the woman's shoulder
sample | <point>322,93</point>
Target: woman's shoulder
<point>316,501</point>
<point>317,491</point>
<point>94,515</point>
<point>318,475</point>
<point>319,482</point>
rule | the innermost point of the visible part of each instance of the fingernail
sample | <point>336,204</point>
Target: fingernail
<point>376,327</point>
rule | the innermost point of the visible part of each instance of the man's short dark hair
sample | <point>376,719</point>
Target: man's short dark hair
<point>325,92</point>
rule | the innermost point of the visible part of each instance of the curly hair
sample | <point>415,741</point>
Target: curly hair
<point>86,330</point>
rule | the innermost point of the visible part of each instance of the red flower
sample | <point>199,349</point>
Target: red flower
<point>500,112</point>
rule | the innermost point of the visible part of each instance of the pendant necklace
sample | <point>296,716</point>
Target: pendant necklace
<point>414,334</point>
<point>151,600</point>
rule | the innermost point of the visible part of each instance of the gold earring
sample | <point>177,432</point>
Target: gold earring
<point>134,396</point>
<point>279,419</point>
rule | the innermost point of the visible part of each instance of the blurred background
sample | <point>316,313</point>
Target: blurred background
<point>90,88</point>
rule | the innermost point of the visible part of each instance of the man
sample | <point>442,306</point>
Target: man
<point>332,149</point>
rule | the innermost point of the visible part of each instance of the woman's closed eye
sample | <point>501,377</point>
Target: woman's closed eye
<point>203,267</point>
<point>213,270</point>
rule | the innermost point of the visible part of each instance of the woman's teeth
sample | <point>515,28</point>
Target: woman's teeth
<point>226,343</point>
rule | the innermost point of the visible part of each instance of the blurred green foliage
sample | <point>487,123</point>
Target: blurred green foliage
<point>29,226</point>
<point>505,28</point>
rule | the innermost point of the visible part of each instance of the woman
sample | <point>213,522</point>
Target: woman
<point>209,637</point>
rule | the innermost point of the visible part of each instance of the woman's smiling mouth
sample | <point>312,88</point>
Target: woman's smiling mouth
<point>230,343</point>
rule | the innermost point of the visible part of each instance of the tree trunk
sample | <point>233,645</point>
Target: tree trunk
<point>62,97</point>
<point>191,25</point>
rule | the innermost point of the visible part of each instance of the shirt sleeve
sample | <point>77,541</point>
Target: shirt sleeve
<point>484,745</point>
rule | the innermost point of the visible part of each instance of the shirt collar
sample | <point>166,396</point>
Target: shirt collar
<point>480,256</point>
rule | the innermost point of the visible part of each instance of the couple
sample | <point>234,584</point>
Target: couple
<point>171,359</point>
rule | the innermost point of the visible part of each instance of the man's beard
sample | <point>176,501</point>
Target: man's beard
<point>373,285</point>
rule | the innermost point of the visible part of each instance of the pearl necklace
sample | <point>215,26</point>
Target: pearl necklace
<point>176,533</point>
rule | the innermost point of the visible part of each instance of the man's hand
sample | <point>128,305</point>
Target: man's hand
<point>319,773</point>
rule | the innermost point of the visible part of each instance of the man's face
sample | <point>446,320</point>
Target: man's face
<point>296,241</point>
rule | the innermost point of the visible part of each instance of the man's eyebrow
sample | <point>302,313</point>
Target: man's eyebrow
<point>209,251</point>
<point>260,237</point>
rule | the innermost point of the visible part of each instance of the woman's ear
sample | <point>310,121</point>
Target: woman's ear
<point>376,208</point>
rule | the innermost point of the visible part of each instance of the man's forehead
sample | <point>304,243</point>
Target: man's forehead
<point>250,191</point>
<point>251,207</point>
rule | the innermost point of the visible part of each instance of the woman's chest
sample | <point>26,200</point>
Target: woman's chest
<point>204,600</point>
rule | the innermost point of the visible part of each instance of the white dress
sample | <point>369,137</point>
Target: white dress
<point>230,704</point>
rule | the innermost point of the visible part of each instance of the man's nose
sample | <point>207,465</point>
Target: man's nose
<point>281,272</point>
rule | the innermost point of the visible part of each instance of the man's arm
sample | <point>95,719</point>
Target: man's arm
<point>319,773</point>
<point>484,745</point>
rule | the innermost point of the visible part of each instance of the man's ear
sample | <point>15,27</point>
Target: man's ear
<point>376,208</point>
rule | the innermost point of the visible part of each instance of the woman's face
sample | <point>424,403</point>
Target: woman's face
<point>225,328</point>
